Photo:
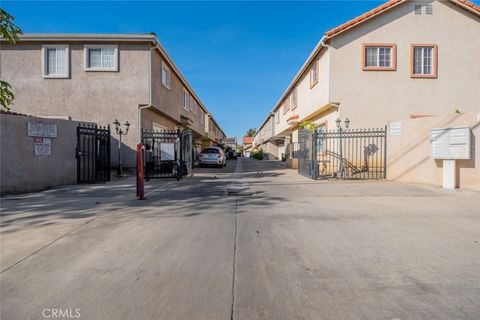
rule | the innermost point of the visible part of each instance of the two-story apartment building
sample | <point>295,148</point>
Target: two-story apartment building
<point>404,58</point>
<point>102,77</point>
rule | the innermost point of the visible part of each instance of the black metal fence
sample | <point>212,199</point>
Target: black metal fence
<point>167,153</point>
<point>291,151</point>
<point>343,154</point>
<point>93,153</point>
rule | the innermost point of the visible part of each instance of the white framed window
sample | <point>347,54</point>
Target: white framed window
<point>101,57</point>
<point>418,9</point>
<point>294,98</point>
<point>165,75</point>
<point>314,74</point>
<point>202,118</point>
<point>186,100</point>
<point>424,61</point>
<point>158,127</point>
<point>194,106</point>
<point>277,116</point>
<point>379,57</point>
<point>55,61</point>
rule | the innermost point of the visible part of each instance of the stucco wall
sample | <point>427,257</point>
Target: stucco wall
<point>373,98</point>
<point>98,97</point>
<point>408,157</point>
<point>309,99</point>
<point>170,100</point>
<point>23,171</point>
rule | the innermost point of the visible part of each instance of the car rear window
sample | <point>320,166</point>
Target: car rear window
<point>211,151</point>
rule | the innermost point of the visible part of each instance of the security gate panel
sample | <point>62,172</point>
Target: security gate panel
<point>167,153</point>
<point>343,154</point>
<point>93,153</point>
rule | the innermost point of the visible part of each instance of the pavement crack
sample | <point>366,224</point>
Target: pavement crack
<point>47,245</point>
<point>234,260</point>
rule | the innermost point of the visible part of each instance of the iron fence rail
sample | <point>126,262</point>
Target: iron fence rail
<point>167,153</point>
<point>343,154</point>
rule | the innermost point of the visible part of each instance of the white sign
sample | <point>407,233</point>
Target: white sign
<point>42,146</point>
<point>395,128</point>
<point>167,151</point>
<point>450,143</point>
<point>40,129</point>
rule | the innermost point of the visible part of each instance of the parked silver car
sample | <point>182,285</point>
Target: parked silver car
<point>213,156</point>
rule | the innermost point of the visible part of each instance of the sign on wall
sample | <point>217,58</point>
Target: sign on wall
<point>395,128</point>
<point>42,146</point>
<point>450,143</point>
<point>167,151</point>
<point>40,129</point>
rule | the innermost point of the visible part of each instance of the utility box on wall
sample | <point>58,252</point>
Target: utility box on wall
<point>449,145</point>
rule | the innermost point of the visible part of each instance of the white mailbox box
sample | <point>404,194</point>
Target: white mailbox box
<point>449,145</point>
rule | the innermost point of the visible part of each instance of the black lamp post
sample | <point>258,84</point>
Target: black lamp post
<point>120,131</point>
<point>338,122</point>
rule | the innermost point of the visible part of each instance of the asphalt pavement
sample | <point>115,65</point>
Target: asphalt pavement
<point>253,240</point>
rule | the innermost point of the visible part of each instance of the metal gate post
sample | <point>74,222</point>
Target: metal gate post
<point>385,154</point>
<point>140,177</point>
<point>180,151</point>
<point>314,154</point>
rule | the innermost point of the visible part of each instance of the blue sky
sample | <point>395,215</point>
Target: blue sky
<point>238,56</point>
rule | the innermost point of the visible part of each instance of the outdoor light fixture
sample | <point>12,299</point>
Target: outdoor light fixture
<point>120,131</point>
<point>338,122</point>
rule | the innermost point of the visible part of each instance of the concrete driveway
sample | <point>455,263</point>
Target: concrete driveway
<point>251,241</point>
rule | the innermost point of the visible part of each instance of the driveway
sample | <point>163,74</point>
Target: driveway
<point>250,241</point>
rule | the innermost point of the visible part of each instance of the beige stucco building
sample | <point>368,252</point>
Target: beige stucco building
<point>405,58</point>
<point>102,77</point>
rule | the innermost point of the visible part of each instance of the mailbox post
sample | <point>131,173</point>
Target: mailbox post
<point>450,145</point>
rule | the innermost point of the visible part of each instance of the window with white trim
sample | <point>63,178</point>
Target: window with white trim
<point>202,118</point>
<point>101,57</point>
<point>378,57</point>
<point>158,127</point>
<point>55,61</point>
<point>186,100</point>
<point>165,75</point>
<point>424,63</point>
<point>193,105</point>
<point>294,98</point>
<point>314,74</point>
<point>277,116</point>
<point>286,105</point>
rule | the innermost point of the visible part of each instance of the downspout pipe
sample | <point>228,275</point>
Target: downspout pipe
<point>150,95</point>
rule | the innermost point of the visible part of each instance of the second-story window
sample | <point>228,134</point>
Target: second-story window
<point>380,57</point>
<point>314,74</point>
<point>277,116</point>
<point>202,118</point>
<point>55,61</point>
<point>286,105</point>
<point>294,98</point>
<point>165,75</point>
<point>424,61</point>
<point>101,57</point>
<point>193,105</point>
<point>186,100</point>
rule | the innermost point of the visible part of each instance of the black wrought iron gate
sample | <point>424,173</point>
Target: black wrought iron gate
<point>343,154</point>
<point>93,153</point>
<point>167,153</point>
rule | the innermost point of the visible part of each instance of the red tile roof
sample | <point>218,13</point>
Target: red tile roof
<point>247,140</point>
<point>386,6</point>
